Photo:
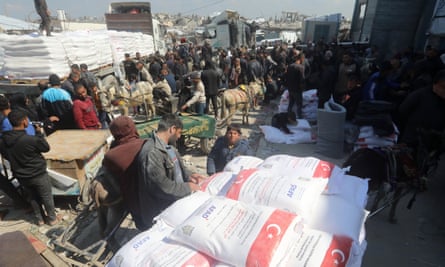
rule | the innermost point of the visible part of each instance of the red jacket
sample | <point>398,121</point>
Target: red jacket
<point>85,114</point>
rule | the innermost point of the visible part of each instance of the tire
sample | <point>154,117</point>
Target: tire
<point>205,144</point>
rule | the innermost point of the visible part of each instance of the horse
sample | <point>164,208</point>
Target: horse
<point>241,98</point>
<point>389,169</point>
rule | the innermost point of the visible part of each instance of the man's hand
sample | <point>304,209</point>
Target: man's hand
<point>194,187</point>
<point>197,178</point>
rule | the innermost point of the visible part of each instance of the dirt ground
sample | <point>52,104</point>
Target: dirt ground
<point>417,239</point>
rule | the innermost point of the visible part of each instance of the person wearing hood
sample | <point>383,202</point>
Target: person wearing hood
<point>121,162</point>
<point>226,148</point>
<point>24,152</point>
<point>84,111</point>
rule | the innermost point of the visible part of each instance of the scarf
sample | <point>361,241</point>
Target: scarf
<point>126,146</point>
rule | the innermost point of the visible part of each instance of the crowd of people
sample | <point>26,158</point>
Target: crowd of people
<point>151,175</point>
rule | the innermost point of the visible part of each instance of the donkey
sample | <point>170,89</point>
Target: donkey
<point>117,95</point>
<point>241,98</point>
<point>387,168</point>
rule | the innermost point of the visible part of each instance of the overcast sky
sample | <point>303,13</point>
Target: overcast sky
<point>23,9</point>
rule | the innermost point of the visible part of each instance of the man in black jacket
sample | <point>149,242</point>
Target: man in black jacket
<point>210,77</point>
<point>294,82</point>
<point>28,165</point>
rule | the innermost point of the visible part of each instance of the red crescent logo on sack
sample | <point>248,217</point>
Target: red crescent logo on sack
<point>271,233</point>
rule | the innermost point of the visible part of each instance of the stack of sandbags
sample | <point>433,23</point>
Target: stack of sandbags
<point>33,57</point>
<point>310,105</point>
<point>130,42</point>
<point>36,57</point>
<point>284,211</point>
<point>284,102</point>
<point>80,48</point>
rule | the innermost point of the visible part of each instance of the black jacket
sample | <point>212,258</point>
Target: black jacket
<point>422,109</point>
<point>294,78</point>
<point>210,78</point>
<point>24,152</point>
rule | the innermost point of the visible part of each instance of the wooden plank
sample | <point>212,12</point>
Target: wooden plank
<point>53,259</point>
<point>68,145</point>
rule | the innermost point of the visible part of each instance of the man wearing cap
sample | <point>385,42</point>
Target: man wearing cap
<point>56,107</point>
<point>199,98</point>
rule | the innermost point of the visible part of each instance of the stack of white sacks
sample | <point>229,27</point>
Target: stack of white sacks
<point>281,211</point>
<point>368,139</point>
<point>310,104</point>
<point>36,57</point>
<point>302,132</point>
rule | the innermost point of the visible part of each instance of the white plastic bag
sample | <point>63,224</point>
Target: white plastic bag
<point>333,214</point>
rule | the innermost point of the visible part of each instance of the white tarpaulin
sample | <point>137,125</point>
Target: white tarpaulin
<point>36,57</point>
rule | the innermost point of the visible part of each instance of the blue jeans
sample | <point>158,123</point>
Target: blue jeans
<point>200,108</point>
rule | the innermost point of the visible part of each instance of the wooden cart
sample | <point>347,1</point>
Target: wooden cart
<point>74,159</point>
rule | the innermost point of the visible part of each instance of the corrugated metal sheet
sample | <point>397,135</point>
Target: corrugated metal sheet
<point>8,24</point>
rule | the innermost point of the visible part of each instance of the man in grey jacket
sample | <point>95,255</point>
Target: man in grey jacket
<point>163,176</point>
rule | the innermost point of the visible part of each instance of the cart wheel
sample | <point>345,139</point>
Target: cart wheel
<point>205,144</point>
